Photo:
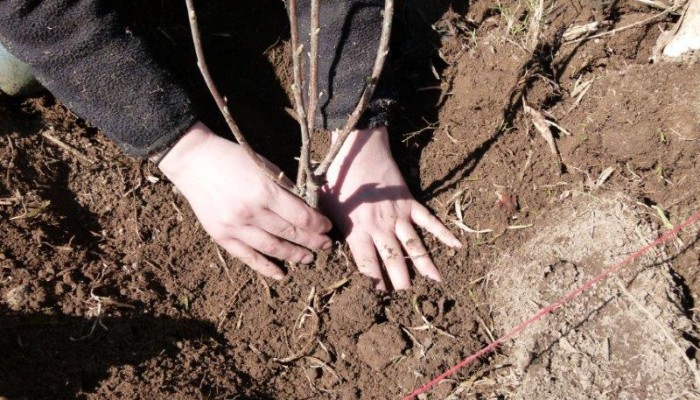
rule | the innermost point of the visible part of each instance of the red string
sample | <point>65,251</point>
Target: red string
<point>553,306</point>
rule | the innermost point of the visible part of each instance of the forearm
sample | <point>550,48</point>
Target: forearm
<point>82,54</point>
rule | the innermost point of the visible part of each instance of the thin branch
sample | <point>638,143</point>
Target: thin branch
<point>632,25</point>
<point>312,184</point>
<point>382,53</point>
<point>297,89</point>
<point>221,103</point>
<point>313,66</point>
<point>70,149</point>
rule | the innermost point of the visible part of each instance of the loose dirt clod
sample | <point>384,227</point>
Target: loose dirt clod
<point>16,297</point>
<point>381,345</point>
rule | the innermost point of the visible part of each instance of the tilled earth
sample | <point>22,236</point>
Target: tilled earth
<point>109,288</point>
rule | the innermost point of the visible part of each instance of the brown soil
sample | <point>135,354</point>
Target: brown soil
<point>110,289</point>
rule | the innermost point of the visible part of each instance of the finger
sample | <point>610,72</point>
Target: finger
<point>390,251</point>
<point>417,251</point>
<point>273,246</point>
<point>280,227</point>
<point>252,258</point>
<point>365,255</point>
<point>422,217</point>
<point>299,214</point>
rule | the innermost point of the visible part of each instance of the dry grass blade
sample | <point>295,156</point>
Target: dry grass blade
<point>310,346</point>
<point>528,162</point>
<point>543,127</point>
<point>579,91</point>
<point>663,217</point>
<point>70,149</point>
<point>9,201</point>
<point>537,9</point>
<point>467,229</point>
<point>221,103</point>
<point>655,3</point>
<point>604,176</point>
<point>519,227</point>
<point>337,285</point>
<point>578,31</point>
<point>633,25</point>
<point>458,208</point>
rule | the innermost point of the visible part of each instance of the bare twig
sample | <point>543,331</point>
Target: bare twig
<point>312,184</point>
<point>656,4</point>
<point>313,67</point>
<point>632,25</point>
<point>221,102</point>
<point>70,149</point>
<point>382,53</point>
<point>298,90</point>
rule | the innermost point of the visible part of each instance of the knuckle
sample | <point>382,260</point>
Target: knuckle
<point>238,213</point>
<point>217,232</point>
<point>267,247</point>
<point>305,219</point>
<point>289,232</point>
<point>264,189</point>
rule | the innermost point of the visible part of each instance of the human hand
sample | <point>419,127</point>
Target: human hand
<point>240,207</point>
<point>368,198</point>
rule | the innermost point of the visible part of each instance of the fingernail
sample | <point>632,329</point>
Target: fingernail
<point>456,243</point>
<point>327,245</point>
<point>307,259</point>
<point>380,286</point>
<point>435,276</point>
<point>278,277</point>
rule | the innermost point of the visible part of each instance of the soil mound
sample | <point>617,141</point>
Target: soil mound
<point>624,339</point>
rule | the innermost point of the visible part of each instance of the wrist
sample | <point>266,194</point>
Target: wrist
<point>174,159</point>
<point>362,148</point>
<point>365,135</point>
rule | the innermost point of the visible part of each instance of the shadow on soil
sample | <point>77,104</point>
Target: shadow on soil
<point>55,357</point>
<point>51,180</point>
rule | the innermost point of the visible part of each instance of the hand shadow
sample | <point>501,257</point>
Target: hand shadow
<point>368,193</point>
<point>43,359</point>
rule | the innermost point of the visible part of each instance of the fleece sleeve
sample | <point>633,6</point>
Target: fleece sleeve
<point>349,36</point>
<point>87,59</point>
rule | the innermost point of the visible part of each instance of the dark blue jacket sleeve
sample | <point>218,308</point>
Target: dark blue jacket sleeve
<point>87,59</point>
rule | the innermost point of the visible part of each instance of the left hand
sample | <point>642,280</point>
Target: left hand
<point>369,200</point>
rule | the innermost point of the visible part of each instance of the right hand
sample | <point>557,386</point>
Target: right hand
<point>240,207</point>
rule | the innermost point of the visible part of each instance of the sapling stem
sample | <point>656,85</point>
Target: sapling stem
<point>312,184</point>
<point>309,180</point>
<point>297,89</point>
<point>221,103</point>
<point>379,62</point>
